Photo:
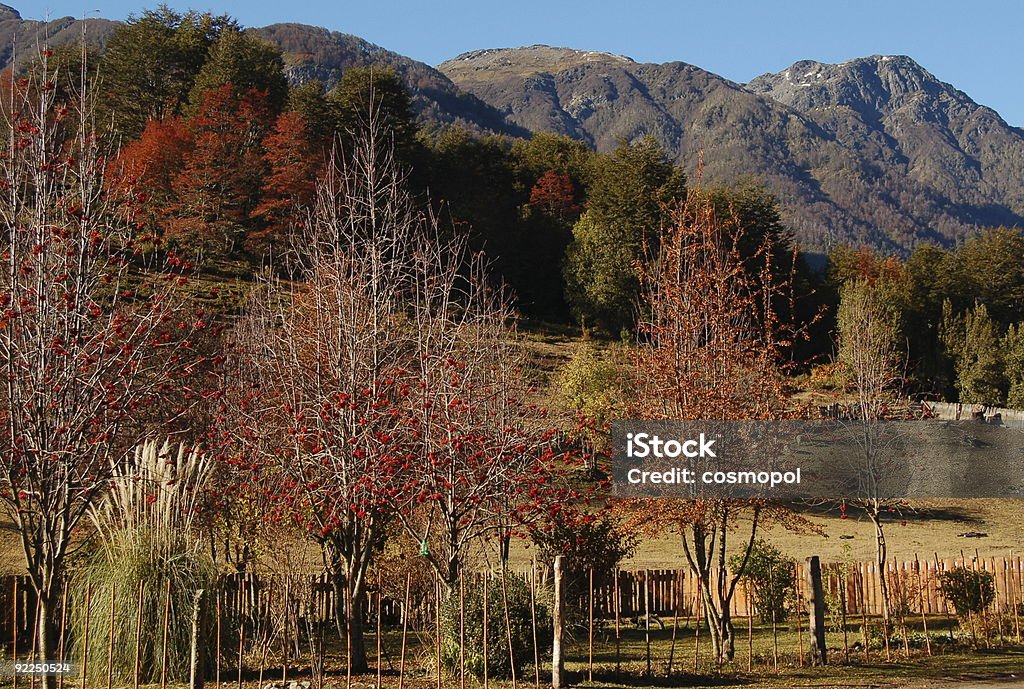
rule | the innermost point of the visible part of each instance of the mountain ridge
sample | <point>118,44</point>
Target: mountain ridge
<point>872,150</point>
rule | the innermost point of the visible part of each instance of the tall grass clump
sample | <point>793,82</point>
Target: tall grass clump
<point>145,540</point>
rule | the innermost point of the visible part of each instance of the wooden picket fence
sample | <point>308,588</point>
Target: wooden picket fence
<point>662,592</point>
<point>856,585</point>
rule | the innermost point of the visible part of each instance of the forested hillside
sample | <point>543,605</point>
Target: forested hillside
<point>874,151</point>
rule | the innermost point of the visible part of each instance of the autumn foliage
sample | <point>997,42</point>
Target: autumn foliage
<point>231,172</point>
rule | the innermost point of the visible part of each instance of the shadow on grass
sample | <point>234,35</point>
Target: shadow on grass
<point>606,679</point>
<point>921,516</point>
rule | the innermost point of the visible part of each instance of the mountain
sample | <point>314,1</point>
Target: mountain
<point>964,155</point>
<point>316,53</point>
<point>19,38</point>
<point>873,151</point>
<point>310,53</point>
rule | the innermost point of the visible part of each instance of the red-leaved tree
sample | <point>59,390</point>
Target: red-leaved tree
<point>218,186</point>
<point>91,347</point>
<point>323,367</point>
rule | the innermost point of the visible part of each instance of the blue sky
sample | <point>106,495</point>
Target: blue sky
<point>973,45</point>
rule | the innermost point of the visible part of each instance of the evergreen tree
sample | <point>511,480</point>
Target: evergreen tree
<point>992,270</point>
<point>974,343</point>
<point>629,200</point>
<point>246,63</point>
<point>1013,356</point>
<point>151,62</point>
<point>376,93</point>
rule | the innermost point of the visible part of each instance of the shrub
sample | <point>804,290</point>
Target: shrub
<point>587,542</point>
<point>969,591</point>
<point>144,523</point>
<point>771,575</point>
<point>520,619</point>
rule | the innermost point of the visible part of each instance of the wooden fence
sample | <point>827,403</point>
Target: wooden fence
<point>913,585</point>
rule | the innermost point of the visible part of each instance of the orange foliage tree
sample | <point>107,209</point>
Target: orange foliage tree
<point>710,347</point>
<point>293,160</point>
<point>218,186</point>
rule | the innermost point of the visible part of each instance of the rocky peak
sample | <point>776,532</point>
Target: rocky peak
<point>8,13</point>
<point>873,86</point>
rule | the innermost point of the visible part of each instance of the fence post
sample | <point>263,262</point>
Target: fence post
<point>816,610</point>
<point>195,677</point>
<point>557,662</point>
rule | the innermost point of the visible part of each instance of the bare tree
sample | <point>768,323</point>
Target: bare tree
<point>487,450</point>
<point>88,344</point>
<point>870,355</point>
<point>326,358</point>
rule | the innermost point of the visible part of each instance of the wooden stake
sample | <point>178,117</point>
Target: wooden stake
<point>750,628</point>
<point>976,566</point>
<point>558,619</point>
<point>14,626</point>
<point>405,631</point>
<point>647,618</point>
<point>462,631</point>
<point>508,626</point>
<point>437,626</point>
<point>799,610</point>
<point>35,653</point>
<point>945,604</point>
<point>901,587</point>
<point>677,598</point>
<point>775,639</point>
<point>163,650</point>
<point>136,669</point>
<point>920,603</point>
<point>241,629</point>
<point>533,617</point>
<point>590,630</point>
<point>85,636</point>
<point>618,614</point>
<point>487,605</point>
<point>1015,598</point>
<point>815,611</point>
<point>217,663</point>
<point>864,614</point>
<point>380,640</point>
<point>349,610</point>
<point>843,592</point>
<point>110,635</point>
<point>63,630</point>
<point>285,650</point>
<point>698,618</point>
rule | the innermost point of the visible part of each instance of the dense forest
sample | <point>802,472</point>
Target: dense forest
<point>221,155</point>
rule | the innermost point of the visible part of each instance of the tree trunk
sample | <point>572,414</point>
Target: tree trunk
<point>881,559</point>
<point>349,609</point>
<point>45,641</point>
<point>357,641</point>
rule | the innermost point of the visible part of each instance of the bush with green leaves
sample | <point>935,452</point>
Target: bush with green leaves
<point>470,625</point>
<point>589,543</point>
<point>970,591</point>
<point>772,579</point>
